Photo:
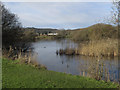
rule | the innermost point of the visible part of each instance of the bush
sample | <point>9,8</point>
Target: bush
<point>28,35</point>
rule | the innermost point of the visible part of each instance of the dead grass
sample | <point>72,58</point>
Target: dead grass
<point>23,57</point>
<point>108,47</point>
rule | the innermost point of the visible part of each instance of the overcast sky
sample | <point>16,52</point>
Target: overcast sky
<point>59,15</point>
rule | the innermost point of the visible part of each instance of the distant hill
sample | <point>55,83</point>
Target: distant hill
<point>41,30</point>
<point>94,32</point>
<point>93,26</point>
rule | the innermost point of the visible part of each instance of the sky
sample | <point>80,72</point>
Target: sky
<point>67,15</point>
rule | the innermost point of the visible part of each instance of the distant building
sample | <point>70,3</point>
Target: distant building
<point>42,34</point>
<point>52,34</point>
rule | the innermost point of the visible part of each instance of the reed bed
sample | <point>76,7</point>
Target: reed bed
<point>100,48</point>
<point>107,47</point>
<point>98,69</point>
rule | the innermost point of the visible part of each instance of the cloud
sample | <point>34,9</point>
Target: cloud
<point>59,15</point>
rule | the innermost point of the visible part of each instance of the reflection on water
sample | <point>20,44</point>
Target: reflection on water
<point>99,68</point>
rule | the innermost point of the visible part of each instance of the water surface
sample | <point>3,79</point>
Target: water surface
<point>76,65</point>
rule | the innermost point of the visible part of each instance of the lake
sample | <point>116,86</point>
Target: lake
<point>103,68</point>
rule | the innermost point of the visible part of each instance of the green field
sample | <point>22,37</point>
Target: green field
<point>26,76</point>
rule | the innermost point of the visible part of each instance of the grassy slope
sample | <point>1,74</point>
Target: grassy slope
<point>26,76</point>
<point>94,32</point>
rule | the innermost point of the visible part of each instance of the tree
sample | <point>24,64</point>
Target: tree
<point>115,12</point>
<point>11,27</point>
<point>113,18</point>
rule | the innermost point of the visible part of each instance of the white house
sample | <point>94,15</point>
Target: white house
<point>52,34</point>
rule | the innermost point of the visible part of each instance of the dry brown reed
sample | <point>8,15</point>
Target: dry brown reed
<point>107,47</point>
<point>97,69</point>
<point>100,48</point>
<point>24,57</point>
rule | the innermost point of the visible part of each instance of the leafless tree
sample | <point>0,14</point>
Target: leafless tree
<point>115,12</point>
<point>113,18</point>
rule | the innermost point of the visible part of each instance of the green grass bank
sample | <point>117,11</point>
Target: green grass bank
<point>16,75</point>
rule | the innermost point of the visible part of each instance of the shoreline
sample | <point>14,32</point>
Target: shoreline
<point>26,72</point>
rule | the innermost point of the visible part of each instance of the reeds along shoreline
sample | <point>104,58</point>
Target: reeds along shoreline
<point>107,47</point>
<point>27,57</point>
<point>98,70</point>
